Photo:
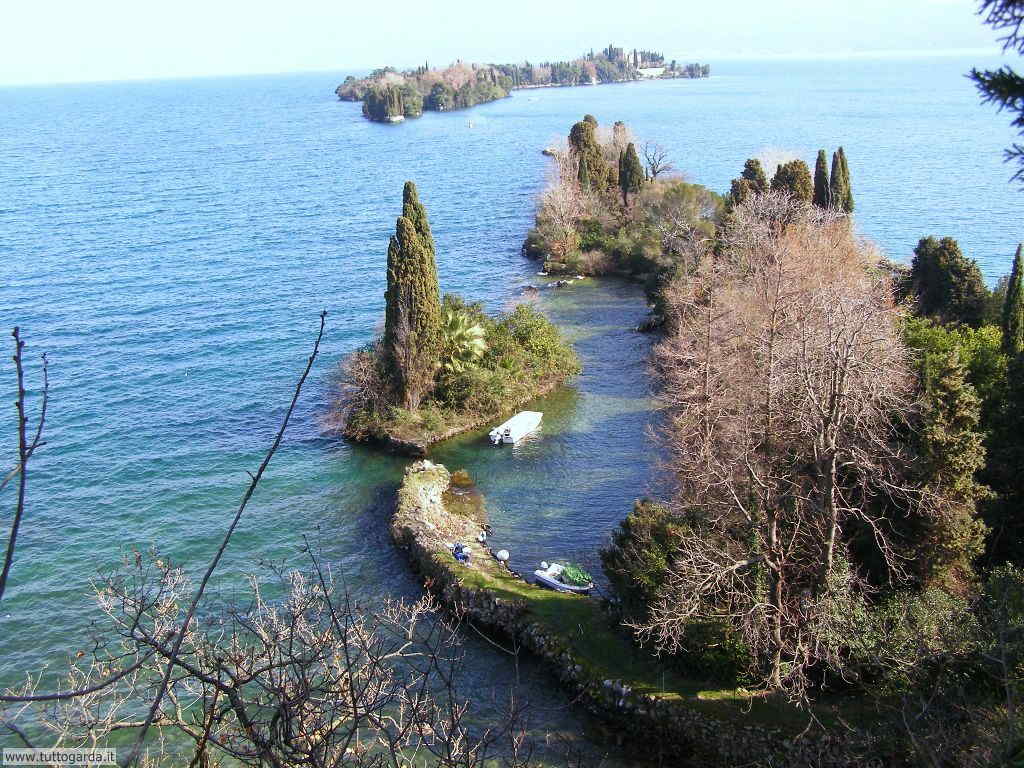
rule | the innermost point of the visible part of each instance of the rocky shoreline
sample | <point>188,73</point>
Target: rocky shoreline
<point>432,512</point>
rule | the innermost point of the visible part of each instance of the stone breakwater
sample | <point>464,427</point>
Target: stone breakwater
<point>432,512</point>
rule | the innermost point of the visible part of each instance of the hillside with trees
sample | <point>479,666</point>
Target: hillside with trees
<point>389,95</point>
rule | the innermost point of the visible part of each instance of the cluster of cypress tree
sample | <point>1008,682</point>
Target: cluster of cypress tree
<point>822,190</point>
<point>412,320</point>
<point>840,191</point>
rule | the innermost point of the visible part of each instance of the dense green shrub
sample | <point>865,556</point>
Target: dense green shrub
<point>948,285</point>
<point>637,560</point>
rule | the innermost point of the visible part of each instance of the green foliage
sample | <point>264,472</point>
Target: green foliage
<point>950,448</point>
<point>1005,472</point>
<point>637,560</point>
<point>441,98</point>
<point>412,101</point>
<point>1004,87</point>
<point>754,173</point>
<point>822,191</point>
<point>631,173</point>
<point>412,321</point>
<point>752,180</point>
<point>574,575</point>
<point>978,349</point>
<point>527,338</point>
<point>794,177</point>
<point>963,374</point>
<point>583,145</point>
<point>847,200</point>
<point>463,342</point>
<point>886,646</point>
<point>948,285</point>
<point>840,191</point>
<point>383,103</point>
<point>1013,307</point>
<point>739,191</point>
<point>584,174</point>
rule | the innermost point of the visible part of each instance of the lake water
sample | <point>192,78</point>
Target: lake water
<point>170,245</point>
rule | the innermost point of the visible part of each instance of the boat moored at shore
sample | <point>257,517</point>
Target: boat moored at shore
<point>516,428</point>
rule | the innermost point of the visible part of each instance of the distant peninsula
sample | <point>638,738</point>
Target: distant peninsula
<point>390,96</point>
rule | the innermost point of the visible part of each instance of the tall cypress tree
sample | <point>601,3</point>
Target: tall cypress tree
<point>836,191</point>
<point>412,319</point>
<point>1013,309</point>
<point>631,173</point>
<point>822,193</point>
<point>847,202</point>
<point>583,176</point>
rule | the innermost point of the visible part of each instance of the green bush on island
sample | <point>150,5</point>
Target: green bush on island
<point>442,365</point>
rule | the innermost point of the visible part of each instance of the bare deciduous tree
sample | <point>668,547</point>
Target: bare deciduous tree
<point>562,205</point>
<point>782,370</point>
<point>656,159</point>
<point>361,388</point>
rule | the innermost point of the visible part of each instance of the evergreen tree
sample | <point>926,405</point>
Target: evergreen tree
<point>794,177</point>
<point>755,175</point>
<point>583,143</point>
<point>1006,467</point>
<point>412,320</point>
<point>741,189</point>
<point>952,453</point>
<point>1005,86</point>
<point>413,210</point>
<point>948,285</point>
<point>584,174</point>
<point>822,193</point>
<point>631,173</point>
<point>1013,309</point>
<point>847,202</point>
<point>837,192</point>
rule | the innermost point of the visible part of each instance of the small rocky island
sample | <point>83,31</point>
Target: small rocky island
<point>390,96</point>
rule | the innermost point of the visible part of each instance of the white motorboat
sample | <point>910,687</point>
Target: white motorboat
<point>516,428</point>
<point>553,577</point>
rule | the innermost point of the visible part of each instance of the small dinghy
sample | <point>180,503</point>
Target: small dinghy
<point>516,428</point>
<point>564,578</point>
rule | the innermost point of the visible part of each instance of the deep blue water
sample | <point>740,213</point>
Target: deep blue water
<point>170,245</point>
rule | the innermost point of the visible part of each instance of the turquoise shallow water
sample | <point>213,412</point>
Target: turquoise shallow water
<point>171,243</point>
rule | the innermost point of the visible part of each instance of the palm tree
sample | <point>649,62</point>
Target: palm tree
<point>464,343</point>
